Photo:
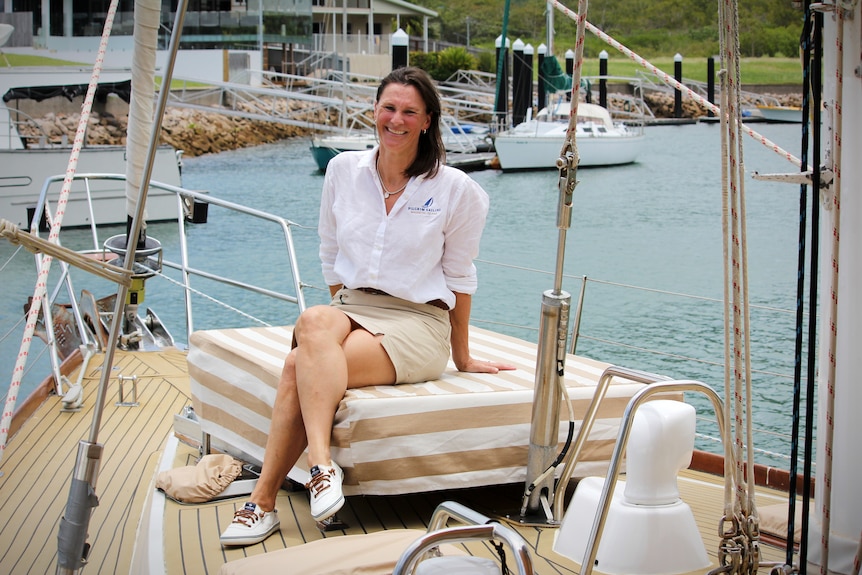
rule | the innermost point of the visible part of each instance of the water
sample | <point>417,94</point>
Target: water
<point>655,224</point>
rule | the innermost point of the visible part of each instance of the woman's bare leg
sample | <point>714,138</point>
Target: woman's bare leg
<point>331,354</point>
<point>326,366</point>
<point>286,440</point>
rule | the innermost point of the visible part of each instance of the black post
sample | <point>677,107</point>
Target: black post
<point>603,82</point>
<point>502,103</point>
<point>541,96</point>
<point>677,97</point>
<point>528,76</point>
<point>570,70</point>
<point>400,41</point>
<point>519,106</point>
<point>710,83</point>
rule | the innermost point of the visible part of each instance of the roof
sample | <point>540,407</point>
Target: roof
<point>402,7</point>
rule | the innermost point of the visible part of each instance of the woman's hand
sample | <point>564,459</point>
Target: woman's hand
<point>481,366</point>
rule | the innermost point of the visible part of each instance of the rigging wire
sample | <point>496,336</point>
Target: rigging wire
<point>813,290</point>
<point>808,76</point>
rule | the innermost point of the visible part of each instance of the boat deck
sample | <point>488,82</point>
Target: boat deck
<point>38,463</point>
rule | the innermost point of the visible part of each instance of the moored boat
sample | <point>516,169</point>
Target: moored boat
<point>536,143</point>
<point>27,160</point>
<point>792,114</point>
<point>465,144</point>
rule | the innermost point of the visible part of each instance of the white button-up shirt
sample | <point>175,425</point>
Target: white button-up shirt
<point>422,250</point>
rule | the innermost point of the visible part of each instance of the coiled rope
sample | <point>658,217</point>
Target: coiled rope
<point>53,237</point>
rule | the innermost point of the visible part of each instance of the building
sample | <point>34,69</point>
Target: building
<point>355,32</point>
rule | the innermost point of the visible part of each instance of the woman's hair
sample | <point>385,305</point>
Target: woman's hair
<point>431,152</point>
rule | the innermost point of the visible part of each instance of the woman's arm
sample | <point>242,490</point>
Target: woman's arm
<point>459,318</point>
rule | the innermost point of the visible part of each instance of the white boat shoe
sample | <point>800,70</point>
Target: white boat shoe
<point>250,525</point>
<point>325,491</point>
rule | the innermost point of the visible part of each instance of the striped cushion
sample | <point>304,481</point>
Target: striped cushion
<point>461,430</point>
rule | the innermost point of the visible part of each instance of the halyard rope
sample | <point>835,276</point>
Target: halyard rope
<point>45,267</point>
<point>825,504</point>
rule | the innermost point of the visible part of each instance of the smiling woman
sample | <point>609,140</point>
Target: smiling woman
<point>399,231</point>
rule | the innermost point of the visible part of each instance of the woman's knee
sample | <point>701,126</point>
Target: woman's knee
<point>321,321</point>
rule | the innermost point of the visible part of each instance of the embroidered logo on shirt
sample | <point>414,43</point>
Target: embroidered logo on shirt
<point>425,208</point>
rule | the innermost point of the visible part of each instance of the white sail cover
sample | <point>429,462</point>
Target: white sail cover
<point>140,124</point>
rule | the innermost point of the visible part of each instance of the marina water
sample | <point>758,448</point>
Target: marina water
<point>655,224</point>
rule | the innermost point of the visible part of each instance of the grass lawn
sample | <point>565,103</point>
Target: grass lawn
<point>752,70</point>
<point>32,60</point>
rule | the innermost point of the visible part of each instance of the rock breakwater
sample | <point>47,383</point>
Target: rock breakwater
<point>197,132</point>
<point>193,131</point>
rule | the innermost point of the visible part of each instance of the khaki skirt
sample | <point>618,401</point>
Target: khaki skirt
<point>415,335</point>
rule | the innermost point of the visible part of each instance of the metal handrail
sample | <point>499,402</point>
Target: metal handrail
<point>620,445</point>
<point>185,197</point>
<point>477,527</point>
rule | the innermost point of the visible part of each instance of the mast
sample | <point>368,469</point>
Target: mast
<point>837,514</point>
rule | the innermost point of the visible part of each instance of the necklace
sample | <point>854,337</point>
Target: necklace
<point>386,192</point>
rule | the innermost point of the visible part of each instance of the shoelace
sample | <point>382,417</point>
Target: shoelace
<point>246,516</point>
<point>319,483</point>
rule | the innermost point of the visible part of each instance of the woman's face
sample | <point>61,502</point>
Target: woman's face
<point>400,115</point>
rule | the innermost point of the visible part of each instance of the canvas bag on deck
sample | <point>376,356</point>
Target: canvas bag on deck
<point>201,482</point>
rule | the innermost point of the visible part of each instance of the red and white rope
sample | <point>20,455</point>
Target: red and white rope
<point>829,432</point>
<point>576,81</point>
<point>55,221</point>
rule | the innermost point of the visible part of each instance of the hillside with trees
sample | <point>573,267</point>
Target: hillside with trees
<point>650,27</point>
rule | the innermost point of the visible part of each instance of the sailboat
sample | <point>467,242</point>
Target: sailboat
<point>602,142</point>
<point>84,451</point>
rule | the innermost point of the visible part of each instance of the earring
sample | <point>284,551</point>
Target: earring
<point>424,132</point>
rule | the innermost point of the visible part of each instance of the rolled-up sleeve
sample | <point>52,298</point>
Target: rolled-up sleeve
<point>463,236</point>
<point>326,230</point>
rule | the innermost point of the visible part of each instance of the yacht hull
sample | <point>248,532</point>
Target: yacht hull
<point>24,173</point>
